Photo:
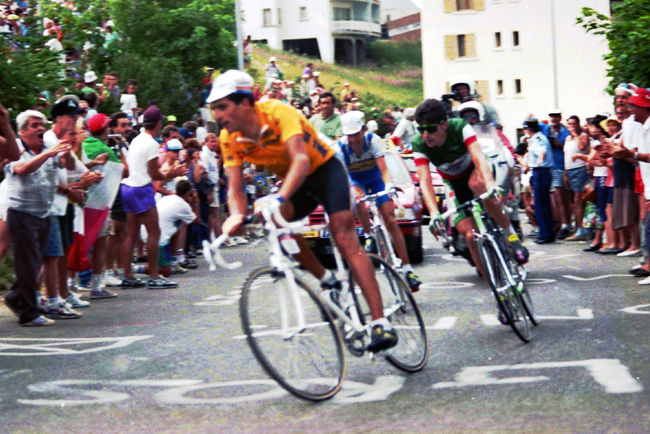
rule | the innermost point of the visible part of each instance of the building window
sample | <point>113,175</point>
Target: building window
<point>279,17</point>
<point>303,13</point>
<point>461,46</point>
<point>515,39</point>
<point>497,39</point>
<point>342,14</point>
<point>499,87</point>
<point>518,86</point>
<point>266,17</point>
<point>464,5</point>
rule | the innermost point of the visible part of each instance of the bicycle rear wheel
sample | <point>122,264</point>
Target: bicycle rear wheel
<point>307,361</point>
<point>507,296</point>
<point>412,350</point>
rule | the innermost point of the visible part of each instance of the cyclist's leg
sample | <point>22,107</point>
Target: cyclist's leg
<point>478,186</point>
<point>344,235</point>
<point>467,226</point>
<point>387,211</point>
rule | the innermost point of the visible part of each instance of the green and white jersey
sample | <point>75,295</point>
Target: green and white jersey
<point>452,159</point>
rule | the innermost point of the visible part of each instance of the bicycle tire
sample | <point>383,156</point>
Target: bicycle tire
<point>507,297</point>
<point>310,363</point>
<point>412,350</point>
<point>527,301</point>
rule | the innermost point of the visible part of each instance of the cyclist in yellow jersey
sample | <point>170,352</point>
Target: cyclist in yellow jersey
<point>276,136</point>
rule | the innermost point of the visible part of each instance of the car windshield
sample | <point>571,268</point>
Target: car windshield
<point>397,172</point>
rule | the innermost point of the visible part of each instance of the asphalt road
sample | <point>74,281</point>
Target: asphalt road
<point>174,362</point>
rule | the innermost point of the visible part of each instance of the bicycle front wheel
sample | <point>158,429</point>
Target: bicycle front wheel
<point>507,296</point>
<point>304,356</point>
<point>412,350</point>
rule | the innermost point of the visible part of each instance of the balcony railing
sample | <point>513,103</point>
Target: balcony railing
<point>364,28</point>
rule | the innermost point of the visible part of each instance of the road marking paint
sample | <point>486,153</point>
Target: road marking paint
<point>609,373</point>
<point>278,332</point>
<point>554,257</point>
<point>351,392</point>
<point>446,322</point>
<point>446,285</point>
<point>453,258</point>
<point>58,346</point>
<point>490,320</point>
<point>539,281</point>
<point>591,279</point>
<point>582,314</point>
<point>636,309</point>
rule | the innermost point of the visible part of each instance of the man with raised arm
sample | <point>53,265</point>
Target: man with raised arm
<point>274,135</point>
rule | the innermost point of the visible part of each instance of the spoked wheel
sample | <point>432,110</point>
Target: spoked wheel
<point>383,248</point>
<point>307,360</point>
<point>507,296</point>
<point>412,350</point>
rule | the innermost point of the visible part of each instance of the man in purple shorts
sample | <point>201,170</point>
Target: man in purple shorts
<point>139,203</point>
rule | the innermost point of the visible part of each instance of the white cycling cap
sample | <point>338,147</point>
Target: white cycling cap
<point>352,122</point>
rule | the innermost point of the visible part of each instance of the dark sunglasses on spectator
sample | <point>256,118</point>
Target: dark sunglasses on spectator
<point>470,117</point>
<point>124,124</point>
<point>431,128</point>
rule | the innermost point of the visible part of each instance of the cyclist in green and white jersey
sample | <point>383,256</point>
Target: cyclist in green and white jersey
<point>453,148</point>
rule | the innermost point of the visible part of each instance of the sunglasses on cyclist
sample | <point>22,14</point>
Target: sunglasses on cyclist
<point>470,117</point>
<point>431,128</point>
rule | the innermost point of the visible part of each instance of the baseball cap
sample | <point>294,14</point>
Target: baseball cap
<point>316,74</point>
<point>641,98</point>
<point>352,122</point>
<point>372,126</point>
<point>346,84</point>
<point>66,106</point>
<point>605,122</point>
<point>554,111</point>
<point>187,134</point>
<point>171,118</point>
<point>98,122</point>
<point>152,114</point>
<point>230,82</point>
<point>173,145</point>
<point>13,17</point>
<point>531,122</point>
<point>272,59</point>
<point>90,76</point>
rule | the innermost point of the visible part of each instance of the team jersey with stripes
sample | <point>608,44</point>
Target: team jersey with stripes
<point>452,159</point>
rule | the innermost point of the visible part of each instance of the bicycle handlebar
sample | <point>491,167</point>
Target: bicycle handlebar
<point>467,205</point>
<point>213,257</point>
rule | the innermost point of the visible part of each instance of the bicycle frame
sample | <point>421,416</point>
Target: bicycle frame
<point>378,225</point>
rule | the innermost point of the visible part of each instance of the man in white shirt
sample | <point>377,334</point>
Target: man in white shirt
<point>210,161</point>
<point>175,212</point>
<point>139,201</point>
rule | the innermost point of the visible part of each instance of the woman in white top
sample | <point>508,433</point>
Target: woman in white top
<point>576,172</point>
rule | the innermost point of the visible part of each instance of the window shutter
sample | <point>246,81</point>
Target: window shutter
<point>483,90</point>
<point>479,5</point>
<point>450,6</point>
<point>470,45</point>
<point>451,47</point>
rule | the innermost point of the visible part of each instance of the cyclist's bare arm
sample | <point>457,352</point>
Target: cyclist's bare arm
<point>237,203</point>
<point>298,168</point>
<point>427,189</point>
<point>385,174</point>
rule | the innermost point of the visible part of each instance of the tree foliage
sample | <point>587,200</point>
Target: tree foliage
<point>628,36</point>
<point>164,44</point>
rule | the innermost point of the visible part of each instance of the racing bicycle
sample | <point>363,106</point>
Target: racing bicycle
<point>383,242</point>
<point>297,333</point>
<point>505,276</point>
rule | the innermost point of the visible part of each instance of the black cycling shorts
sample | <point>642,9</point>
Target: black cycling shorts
<point>462,193</point>
<point>329,186</point>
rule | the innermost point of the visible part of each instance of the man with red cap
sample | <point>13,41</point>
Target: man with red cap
<point>94,147</point>
<point>639,104</point>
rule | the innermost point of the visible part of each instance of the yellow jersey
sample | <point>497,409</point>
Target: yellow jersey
<point>279,123</point>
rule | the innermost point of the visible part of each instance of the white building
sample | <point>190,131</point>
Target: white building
<point>527,55</point>
<point>331,30</point>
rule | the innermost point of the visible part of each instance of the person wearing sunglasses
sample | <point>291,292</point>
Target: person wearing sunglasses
<point>453,148</point>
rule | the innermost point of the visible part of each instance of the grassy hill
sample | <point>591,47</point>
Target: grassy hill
<point>378,84</point>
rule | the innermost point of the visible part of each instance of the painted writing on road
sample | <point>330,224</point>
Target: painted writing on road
<point>609,373</point>
<point>84,392</point>
<point>61,346</point>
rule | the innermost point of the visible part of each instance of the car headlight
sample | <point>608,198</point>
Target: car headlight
<point>404,214</point>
